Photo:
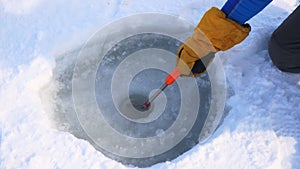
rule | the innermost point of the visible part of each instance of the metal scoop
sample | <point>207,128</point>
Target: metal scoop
<point>171,78</point>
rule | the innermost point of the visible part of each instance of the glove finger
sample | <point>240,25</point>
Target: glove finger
<point>178,54</point>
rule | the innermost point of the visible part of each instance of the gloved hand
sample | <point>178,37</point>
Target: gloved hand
<point>215,32</point>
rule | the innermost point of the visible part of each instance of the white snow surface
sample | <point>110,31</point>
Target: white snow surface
<point>261,130</point>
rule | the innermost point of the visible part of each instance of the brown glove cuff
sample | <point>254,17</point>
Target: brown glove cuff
<point>223,32</point>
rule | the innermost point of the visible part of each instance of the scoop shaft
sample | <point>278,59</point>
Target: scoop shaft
<point>171,78</point>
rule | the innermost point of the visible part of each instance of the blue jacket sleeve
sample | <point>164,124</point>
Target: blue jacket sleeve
<point>243,10</point>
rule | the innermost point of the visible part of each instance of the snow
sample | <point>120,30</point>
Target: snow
<point>19,7</point>
<point>261,130</point>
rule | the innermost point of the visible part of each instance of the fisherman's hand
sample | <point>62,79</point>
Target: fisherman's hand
<point>214,32</point>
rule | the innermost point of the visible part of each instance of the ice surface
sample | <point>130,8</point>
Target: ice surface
<point>115,75</point>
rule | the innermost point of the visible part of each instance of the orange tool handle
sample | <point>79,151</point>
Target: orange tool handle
<point>172,76</point>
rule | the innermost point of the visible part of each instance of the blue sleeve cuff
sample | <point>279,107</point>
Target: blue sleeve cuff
<point>243,10</point>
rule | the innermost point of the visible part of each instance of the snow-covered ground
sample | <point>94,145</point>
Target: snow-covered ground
<point>261,130</point>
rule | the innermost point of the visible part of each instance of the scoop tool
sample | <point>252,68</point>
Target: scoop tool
<point>171,78</point>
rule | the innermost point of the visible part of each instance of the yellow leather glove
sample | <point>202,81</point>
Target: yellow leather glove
<point>214,32</point>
